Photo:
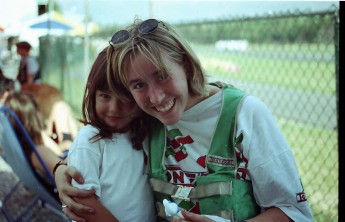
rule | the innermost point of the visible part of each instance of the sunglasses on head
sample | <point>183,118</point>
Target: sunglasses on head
<point>146,27</point>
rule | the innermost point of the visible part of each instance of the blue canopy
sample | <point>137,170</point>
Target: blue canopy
<point>50,24</point>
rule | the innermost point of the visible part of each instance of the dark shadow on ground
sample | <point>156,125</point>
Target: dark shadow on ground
<point>21,197</point>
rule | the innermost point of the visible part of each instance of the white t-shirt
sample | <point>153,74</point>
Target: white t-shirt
<point>116,171</point>
<point>271,165</point>
<point>31,65</point>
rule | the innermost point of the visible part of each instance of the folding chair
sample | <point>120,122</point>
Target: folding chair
<point>14,155</point>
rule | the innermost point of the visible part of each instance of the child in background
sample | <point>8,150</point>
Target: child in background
<point>59,119</point>
<point>108,151</point>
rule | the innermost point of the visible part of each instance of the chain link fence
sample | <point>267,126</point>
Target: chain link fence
<point>288,60</point>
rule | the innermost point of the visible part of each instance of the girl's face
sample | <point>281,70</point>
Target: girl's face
<point>114,112</point>
<point>163,96</point>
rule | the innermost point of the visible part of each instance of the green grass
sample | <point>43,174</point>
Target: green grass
<point>268,67</point>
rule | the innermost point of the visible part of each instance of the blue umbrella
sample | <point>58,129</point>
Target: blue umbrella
<point>51,20</point>
<point>50,24</point>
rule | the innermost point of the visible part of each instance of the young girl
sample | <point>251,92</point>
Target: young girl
<point>221,146</point>
<point>108,151</point>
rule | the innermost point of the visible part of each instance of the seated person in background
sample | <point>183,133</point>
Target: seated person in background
<point>60,122</point>
<point>25,107</point>
<point>57,114</point>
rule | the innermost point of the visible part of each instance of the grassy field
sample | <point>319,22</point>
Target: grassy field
<point>288,67</point>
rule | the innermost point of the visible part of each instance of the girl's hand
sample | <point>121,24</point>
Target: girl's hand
<point>63,178</point>
<point>191,217</point>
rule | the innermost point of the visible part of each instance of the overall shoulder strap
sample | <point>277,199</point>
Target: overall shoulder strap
<point>157,144</point>
<point>223,139</point>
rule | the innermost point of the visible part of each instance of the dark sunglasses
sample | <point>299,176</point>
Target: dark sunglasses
<point>146,27</point>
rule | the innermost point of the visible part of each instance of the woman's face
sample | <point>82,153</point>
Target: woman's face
<point>113,112</point>
<point>163,96</point>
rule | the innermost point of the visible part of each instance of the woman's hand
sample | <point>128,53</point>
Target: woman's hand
<point>63,178</point>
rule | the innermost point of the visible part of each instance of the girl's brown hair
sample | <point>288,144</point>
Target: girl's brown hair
<point>97,80</point>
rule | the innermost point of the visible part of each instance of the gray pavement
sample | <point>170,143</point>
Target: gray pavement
<point>20,198</point>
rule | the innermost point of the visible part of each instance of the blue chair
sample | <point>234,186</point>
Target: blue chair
<point>14,155</point>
